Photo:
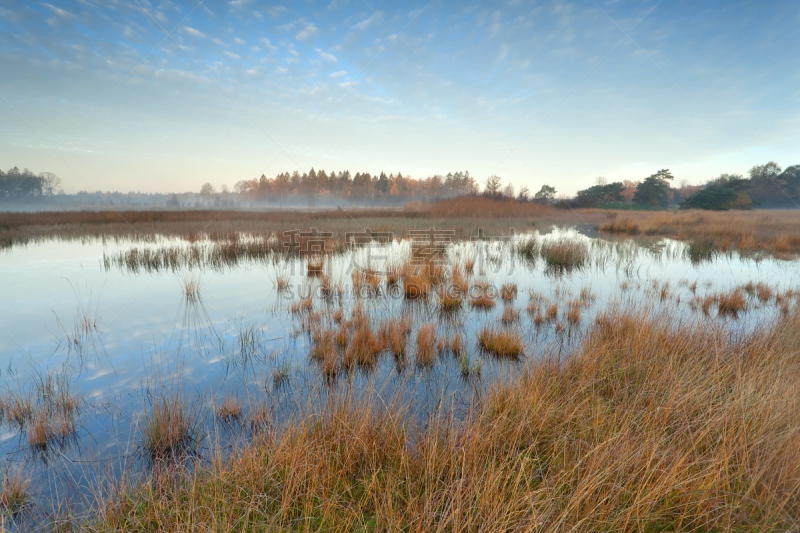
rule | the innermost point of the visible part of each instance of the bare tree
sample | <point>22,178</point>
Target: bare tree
<point>493,185</point>
<point>50,183</point>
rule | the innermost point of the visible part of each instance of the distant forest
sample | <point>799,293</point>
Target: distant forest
<point>765,186</point>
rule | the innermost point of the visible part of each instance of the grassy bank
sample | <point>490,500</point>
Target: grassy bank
<point>775,232</point>
<point>647,427</point>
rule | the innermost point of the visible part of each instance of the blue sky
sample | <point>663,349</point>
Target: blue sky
<point>163,96</point>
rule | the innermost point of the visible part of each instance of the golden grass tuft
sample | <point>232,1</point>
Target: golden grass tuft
<point>303,305</point>
<point>39,430</point>
<point>508,292</point>
<point>731,303</point>
<point>501,342</point>
<point>394,336</point>
<point>483,296</point>
<point>282,282</point>
<point>168,428</point>
<point>565,254</point>
<point>14,492</point>
<point>230,410</point>
<point>574,312</point>
<point>426,341</point>
<point>416,282</point>
<point>315,265</point>
<point>510,315</point>
<point>19,409</point>
<point>363,347</point>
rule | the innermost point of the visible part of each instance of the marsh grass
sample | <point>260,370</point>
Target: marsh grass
<point>230,410</point>
<point>503,343</point>
<point>169,429</point>
<point>774,232</point>
<point>19,409</point>
<point>483,296</point>
<point>363,347</point>
<point>394,336</point>
<point>574,312</point>
<point>416,282</point>
<point>282,282</point>
<point>508,292</point>
<point>14,493</point>
<point>527,247</point>
<point>565,254</point>
<point>731,303</point>
<point>510,315</point>
<point>426,342</point>
<point>303,305</point>
<point>450,300</point>
<point>646,427</point>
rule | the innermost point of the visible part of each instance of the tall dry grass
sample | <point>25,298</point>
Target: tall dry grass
<point>646,428</point>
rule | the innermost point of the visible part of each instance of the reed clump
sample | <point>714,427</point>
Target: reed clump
<point>426,341</point>
<point>394,336</point>
<point>510,315</point>
<point>508,292</point>
<point>731,303</point>
<point>315,265</point>
<point>483,296</point>
<point>565,254</point>
<point>416,282</point>
<point>501,342</point>
<point>14,493</point>
<point>169,427</point>
<point>230,410</point>
<point>363,347</point>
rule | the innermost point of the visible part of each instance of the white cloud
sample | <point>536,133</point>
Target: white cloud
<point>366,23</point>
<point>239,3</point>
<point>239,41</point>
<point>193,32</point>
<point>503,53</point>
<point>339,74</point>
<point>309,31</point>
<point>269,45</point>
<point>281,70</point>
<point>60,12</point>
<point>232,55</point>
<point>328,57</point>
<point>274,11</point>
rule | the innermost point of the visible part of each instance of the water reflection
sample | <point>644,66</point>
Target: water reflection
<point>218,329</point>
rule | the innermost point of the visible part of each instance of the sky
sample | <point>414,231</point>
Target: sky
<point>163,96</point>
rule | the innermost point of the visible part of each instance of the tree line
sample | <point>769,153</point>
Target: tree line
<point>359,187</point>
<point>767,186</point>
<point>19,184</point>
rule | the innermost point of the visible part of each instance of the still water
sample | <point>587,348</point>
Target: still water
<point>119,337</point>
